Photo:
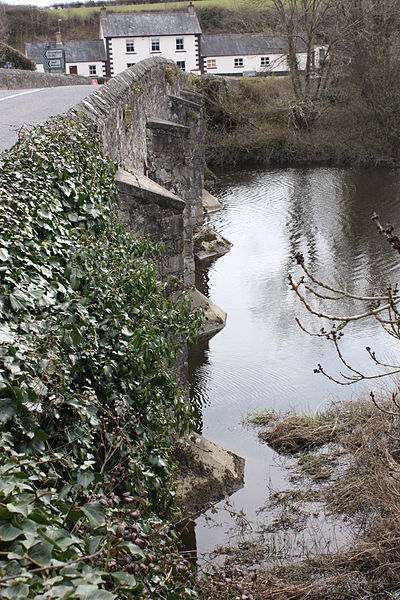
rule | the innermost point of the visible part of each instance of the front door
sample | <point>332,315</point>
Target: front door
<point>73,70</point>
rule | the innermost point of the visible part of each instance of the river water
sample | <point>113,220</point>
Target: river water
<point>262,359</point>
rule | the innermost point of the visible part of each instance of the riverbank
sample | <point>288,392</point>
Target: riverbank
<point>347,458</point>
<point>249,123</point>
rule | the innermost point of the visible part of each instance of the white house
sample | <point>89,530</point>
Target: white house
<point>241,53</point>
<point>131,37</point>
<point>82,57</point>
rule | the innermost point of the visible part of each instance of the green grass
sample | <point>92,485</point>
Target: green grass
<point>84,12</point>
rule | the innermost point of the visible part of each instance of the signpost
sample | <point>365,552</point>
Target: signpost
<point>54,60</point>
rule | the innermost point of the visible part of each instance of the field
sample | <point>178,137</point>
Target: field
<point>84,12</point>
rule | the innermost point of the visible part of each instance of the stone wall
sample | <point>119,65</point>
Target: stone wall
<point>152,127</point>
<point>17,79</point>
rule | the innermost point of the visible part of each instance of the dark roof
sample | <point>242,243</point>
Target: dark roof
<point>236,44</point>
<point>149,23</point>
<point>75,50</point>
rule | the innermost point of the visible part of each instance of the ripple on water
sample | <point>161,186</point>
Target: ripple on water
<point>261,359</point>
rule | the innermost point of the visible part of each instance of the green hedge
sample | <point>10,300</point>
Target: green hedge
<point>16,58</point>
<point>88,407</point>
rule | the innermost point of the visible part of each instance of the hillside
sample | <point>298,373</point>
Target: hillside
<point>21,24</point>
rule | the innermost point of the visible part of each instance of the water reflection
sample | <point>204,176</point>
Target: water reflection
<point>262,359</point>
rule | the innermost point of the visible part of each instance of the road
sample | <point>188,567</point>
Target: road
<point>19,108</point>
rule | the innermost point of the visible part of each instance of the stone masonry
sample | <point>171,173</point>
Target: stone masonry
<point>153,128</point>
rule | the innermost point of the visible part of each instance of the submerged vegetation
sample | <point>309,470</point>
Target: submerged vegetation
<point>88,406</point>
<point>357,479</point>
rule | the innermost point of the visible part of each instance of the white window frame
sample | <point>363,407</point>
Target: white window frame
<point>180,44</point>
<point>132,49</point>
<point>155,45</point>
<point>92,70</point>
<point>238,62</point>
<point>181,64</point>
<point>211,63</point>
<point>265,61</point>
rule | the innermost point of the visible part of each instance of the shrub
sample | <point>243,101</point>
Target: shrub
<point>88,406</point>
<point>16,58</point>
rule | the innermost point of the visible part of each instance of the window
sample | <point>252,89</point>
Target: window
<point>180,45</point>
<point>211,63</point>
<point>238,62</point>
<point>130,46</point>
<point>92,70</point>
<point>73,70</point>
<point>181,65</point>
<point>129,65</point>
<point>155,45</point>
<point>265,61</point>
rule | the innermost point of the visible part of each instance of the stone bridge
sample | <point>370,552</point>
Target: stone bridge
<point>152,126</point>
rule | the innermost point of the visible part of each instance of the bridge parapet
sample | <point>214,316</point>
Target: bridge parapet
<point>152,126</point>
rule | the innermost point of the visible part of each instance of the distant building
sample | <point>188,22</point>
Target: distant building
<point>82,57</point>
<point>134,36</point>
<point>248,53</point>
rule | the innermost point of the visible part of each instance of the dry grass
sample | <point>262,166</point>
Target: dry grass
<point>257,128</point>
<point>291,433</point>
<point>367,491</point>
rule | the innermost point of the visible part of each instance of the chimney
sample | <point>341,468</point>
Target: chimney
<point>191,10</point>
<point>103,11</point>
<point>58,34</point>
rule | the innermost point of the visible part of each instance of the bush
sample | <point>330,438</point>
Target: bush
<point>16,58</point>
<point>88,406</point>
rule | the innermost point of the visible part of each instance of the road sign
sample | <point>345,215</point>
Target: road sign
<point>54,60</point>
<point>54,53</point>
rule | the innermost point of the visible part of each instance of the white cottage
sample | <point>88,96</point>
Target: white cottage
<point>245,53</point>
<point>131,37</point>
<point>82,57</point>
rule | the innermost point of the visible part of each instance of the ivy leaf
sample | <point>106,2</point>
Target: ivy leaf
<point>92,592</point>
<point>127,580</point>
<point>8,409</point>
<point>158,461</point>
<point>4,254</point>
<point>19,591</point>
<point>41,553</point>
<point>94,543</point>
<point>8,532</point>
<point>85,479</point>
<point>6,335</point>
<point>21,508</point>
<point>132,548</point>
<point>94,512</point>
<point>75,279</point>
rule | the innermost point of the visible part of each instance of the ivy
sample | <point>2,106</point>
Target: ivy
<point>88,405</point>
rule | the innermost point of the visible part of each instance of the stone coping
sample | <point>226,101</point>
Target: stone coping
<point>185,101</point>
<point>167,125</point>
<point>148,190</point>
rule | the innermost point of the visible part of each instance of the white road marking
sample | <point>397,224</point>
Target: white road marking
<point>21,94</point>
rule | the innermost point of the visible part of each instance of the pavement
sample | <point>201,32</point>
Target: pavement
<point>20,109</point>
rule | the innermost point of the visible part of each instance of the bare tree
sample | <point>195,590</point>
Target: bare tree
<point>3,24</point>
<point>338,37</point>
<point>313,27</point>
<point>384,308</point>
<point>374,48</point>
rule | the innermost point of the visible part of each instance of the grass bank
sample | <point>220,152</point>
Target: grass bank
<point>198,4</point>
<point>347,458</point>
<point>249,122</point>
